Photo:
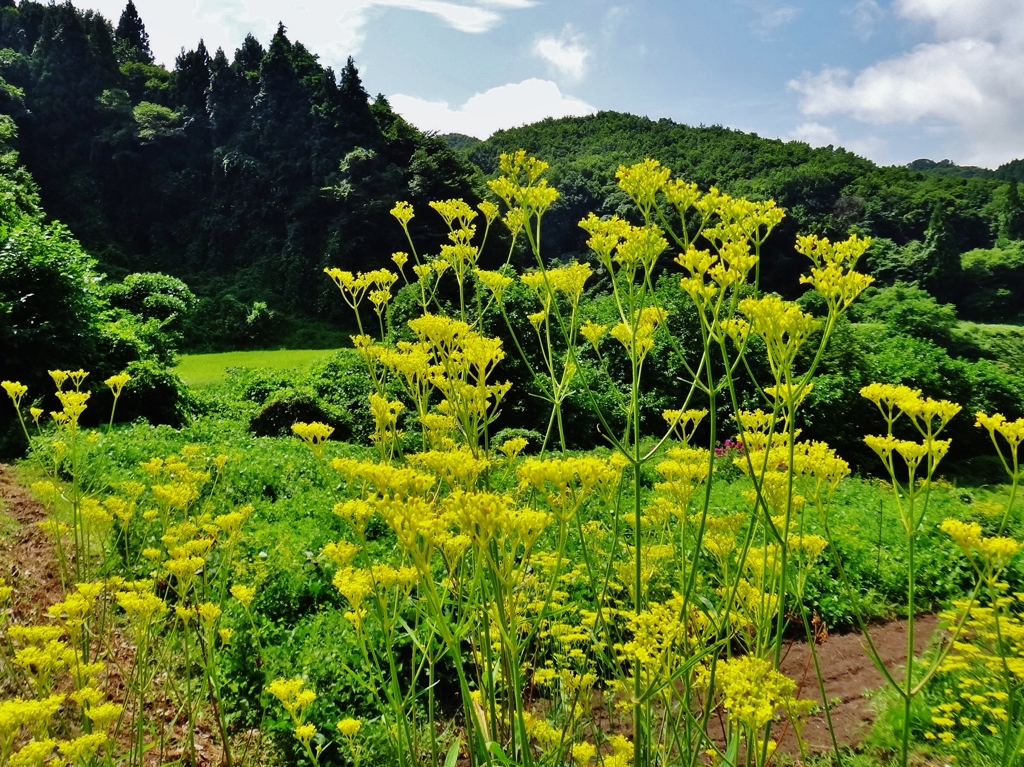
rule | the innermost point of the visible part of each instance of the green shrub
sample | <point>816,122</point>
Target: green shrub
<point>284,408</point>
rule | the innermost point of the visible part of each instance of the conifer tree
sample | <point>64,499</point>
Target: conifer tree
<point>354,102</point>
<point>1012,224</point>
<point>191,81</point>
<point>942,257</point>
<point>132,40</point>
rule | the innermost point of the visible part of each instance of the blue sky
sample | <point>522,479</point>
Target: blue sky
<point>892,80</point>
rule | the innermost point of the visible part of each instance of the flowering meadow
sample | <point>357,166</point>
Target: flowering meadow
<point>493,601</point>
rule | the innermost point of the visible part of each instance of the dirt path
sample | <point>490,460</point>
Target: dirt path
<point>848,674</point>
<point>27,558</point>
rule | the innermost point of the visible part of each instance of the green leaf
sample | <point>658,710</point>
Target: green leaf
<point>453,753</point>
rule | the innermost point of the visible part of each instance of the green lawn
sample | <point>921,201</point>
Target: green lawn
<point>205,369</point>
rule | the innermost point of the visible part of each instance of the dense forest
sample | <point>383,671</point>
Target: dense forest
<point>201,204</point>
<point>243,174</point>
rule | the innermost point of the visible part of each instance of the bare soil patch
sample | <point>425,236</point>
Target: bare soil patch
<point>27,558</point>
<point>29,563</point>
<point>848,674</point>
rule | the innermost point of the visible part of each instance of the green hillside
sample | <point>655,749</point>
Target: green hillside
<point>922,220</point>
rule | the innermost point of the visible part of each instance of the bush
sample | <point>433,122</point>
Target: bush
<point>285,408</point>
<point>156,394</point>
<point>907,309</point>
<point>992,278</point>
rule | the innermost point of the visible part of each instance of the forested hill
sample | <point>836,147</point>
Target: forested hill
<point>924,220</point>
<point>244,173</point>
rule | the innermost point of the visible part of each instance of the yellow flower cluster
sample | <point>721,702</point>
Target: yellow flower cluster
<point>15,390</point>
<point>1011,431</point>
<point>296,699</point>
<point>983,669</point>
<point>833,274</point>
<point>458,467</point>
<point>566,280</point>
<point>348,727</point>
<point>496,282</point>
<point>522,187</point>
<point>752,691</point>
<point>565,483</point>
<point>355,287</point>
<point>313,434</point>
<point>929,416</point>
<point>988,554</point>
<point>684,423</point>
<point>661,636</point>
<point>637,336</point>
<point>783,327</point>
<point>617,243</point>
<point>117,383</point>
<point>685,470</point>
<point>385,422</point>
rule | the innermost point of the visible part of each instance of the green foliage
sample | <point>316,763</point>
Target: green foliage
<point>941,256</point>
<point>156,122</point>
<point>218,171</point>
<point>830,191</point>
<point>132,40</point>
<point>993,278</point>
<point>50,305</point>
<point>332,390</point>
<point>56,313</point>
<point>156,394</point>
<point>909,310</point>
<point>1003,344</point>
<point>152,295</point>
<point>949,168</point>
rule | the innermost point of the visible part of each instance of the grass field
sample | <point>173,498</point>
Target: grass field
<point>205,369</point>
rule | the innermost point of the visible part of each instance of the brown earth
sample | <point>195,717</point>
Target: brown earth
<point>29,563</point>
<point>27,558</point>
<point>848,674</point>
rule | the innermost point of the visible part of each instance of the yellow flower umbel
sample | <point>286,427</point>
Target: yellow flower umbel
<point>989,555</point>
<point>929,417</point>
<point>15,390</point>
<point>296,699</point>
<point>833,274</point>
<point>1012,433</point>
<point>313,434</point>
<point>116,383</point>
<point>751,692</point>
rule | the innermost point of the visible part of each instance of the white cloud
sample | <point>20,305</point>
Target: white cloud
<point>566,53</point>
<point>349,32</point>
<point>505,106</point>
<point>969,79</point>
<point>465,18</point>
<point>865,14</point>
<point>334,28</point>
<point>234,17</point>
<point>953,19</point>
<point>514,4</point>
<point>814,134</point>
<point>768,17</point>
